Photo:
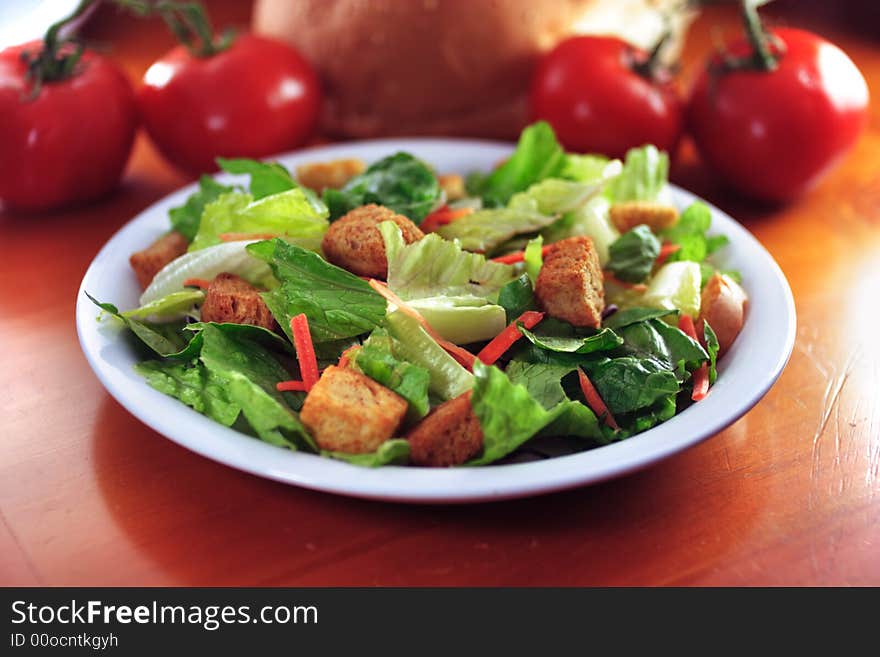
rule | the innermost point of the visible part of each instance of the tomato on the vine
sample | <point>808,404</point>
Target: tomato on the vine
<point>603,95</point>
<point>67,121</point>
<point>773,122</point>
<point>252,98</point>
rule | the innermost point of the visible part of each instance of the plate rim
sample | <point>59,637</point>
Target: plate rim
<point>435,486</point>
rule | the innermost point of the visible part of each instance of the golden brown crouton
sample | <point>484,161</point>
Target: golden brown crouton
<point>453,185</point>
<point>570,284</point>
<point>335,173</point>
<point>354,242</point>
<point>626,216</point>
<point>233,300</point>
<point>147,263</point>
<point>449,435</point>
<point>347,411</point>
<point>723,304</point>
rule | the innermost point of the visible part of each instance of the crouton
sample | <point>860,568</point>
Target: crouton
<point>453,185</point>
<point>723,304</point>
<point>346,411</point>
<point>628,215</point>
<point>233,300</point>
<point>333,174</point>
<point>449,435</point>
<point>570,284</point>
<point>354,242</point>
<point>147,263</point>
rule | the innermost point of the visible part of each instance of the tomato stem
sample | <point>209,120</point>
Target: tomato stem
<point>762,57</point>
<point>53,61</point>
<point>187,21</point>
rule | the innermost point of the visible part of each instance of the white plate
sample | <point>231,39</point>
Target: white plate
<point>745,373</point>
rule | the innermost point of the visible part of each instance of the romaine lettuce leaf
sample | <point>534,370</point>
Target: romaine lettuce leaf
<point>434,267</point>
<point>168,308</point>
<point>399,182</point>
<point>666,345</point>
<point>516,297</point>
<point>644,175</point>
<point>266,178</point>
<point>633,254</point>
<point>509,416</point>
<point>486,230</point>
<point>629,384</point>
<point>185,218</point>
<point>462,319</point>
<point>290,213</point>
<point>675,286</point>
<point>376,359</point>
<point>448,378</point>
<point>163,338</point>
<point>248,372</point>
<point>542,380</point>
<point>337,303</point>
<point>592,220</point>
<point>193,384</point>
<point>604,340</point>
<point>538,155</point>
<point>231,257</point>
<point>533,258</point>
<point>392,452</point>
<point>632,315</point>
<point>712,348</point>
<point>583,168</point>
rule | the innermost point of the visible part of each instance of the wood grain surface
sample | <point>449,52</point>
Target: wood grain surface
<point>789,495</point>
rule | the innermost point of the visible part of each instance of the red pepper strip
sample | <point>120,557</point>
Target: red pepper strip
<point>611,278</point>
<point>519,256</point>
<point>291,386</point>
<point>701,375</point>
<point>504,340</point>
<point>197,282</point>
<point>305,350</point>
<point>463,356</point>
<point>240,237</point>
<point>665,251</point>
<point>594,401</point>
<point>442,216</point>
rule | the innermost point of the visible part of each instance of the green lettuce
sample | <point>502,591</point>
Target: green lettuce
<point>644,175</point>
<point>632,315</point>
<point>248,372</point>
<point>604,340</point>
<point>462,319</point>
<point>376,359</point>
<point>538,155</point>
<point>399,182</point>
<point>412,344</point>
<point>516,297</point>
<point>194,385</point>
<point>712,348</point>
<point>231,257</point>
<point>630,384</point>
<point>533,258</point>
<point>170,307</point>
<point>163,338</point>
<point>434,267</point>
<point>675,286</point>
<point>590,219</point>
<point>290,213</point>
<point>185,219</point>
<point>509,416</point>
<point>543,381</point>
<point>266,178</point>
<point>337,303</point>
<point>633,254</point>
<point>666,345</point>
<point>392,452</point>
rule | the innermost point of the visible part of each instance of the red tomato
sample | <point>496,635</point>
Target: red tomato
<point>773,134</point>
<point>589,90</point>
<point>256,98</point>
<point>71,142</point>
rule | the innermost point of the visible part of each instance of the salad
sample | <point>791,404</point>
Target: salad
<point>385,314</point>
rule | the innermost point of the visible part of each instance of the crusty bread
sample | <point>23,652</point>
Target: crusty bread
<point>455,67</point>
<point>570,285</point>
<point>149,261</point>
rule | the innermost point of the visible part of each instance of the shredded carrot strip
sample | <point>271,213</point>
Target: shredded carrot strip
<point>305,350</point>
<point>463,356</point>
<point>240,237</point>
<point>442,216</point>
<point>611,278</point>
<point>291,386</point>
<point>519,256</point>
<point>686,324</point>
<point>197,282</point>
<point>505,340</point>
<point>594,401</point>
<point>665,251</point>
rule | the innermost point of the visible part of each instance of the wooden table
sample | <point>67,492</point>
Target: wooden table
<point>790,494</point>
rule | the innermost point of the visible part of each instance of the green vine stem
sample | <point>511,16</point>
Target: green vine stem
<point>187,21</point>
